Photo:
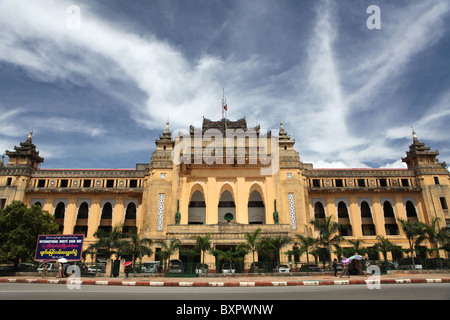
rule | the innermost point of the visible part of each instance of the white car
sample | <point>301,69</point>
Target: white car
<point>282,268</point>
<point>201,268</point>
<point>151,267</point>
<point>226,268</point>
<point>96,269</point>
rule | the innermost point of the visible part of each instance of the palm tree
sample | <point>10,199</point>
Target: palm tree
<point>252,241</point>
<point>232,254</point>
<point>203,244</point>
<point>273,246</point>
<point>358,247</point>
<point>328,232</point>
<point>109,242</point>
<point>168,248</point>
<point>139,247</point>
<point>306,243</point>
<point>384,246</point>
<point>437,236</point>
<point>413,231</point>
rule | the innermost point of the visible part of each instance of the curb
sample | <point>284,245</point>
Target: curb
<point>223,284</point>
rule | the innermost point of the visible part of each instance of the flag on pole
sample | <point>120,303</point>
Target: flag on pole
<point>225,107</point>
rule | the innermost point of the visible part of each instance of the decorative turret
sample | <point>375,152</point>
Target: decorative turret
<point>25,156</point>
<point>419,156</point>
<point>162,157</point>
<point>285,142</point>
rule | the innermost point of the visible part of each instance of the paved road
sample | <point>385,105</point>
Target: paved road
<point>24,291</point>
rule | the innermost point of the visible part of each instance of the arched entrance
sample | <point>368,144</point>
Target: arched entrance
<point>227,207</point>
<point>197,209</point>
<point>256,209</point>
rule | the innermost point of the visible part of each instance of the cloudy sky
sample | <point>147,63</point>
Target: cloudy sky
<point>97,80</point>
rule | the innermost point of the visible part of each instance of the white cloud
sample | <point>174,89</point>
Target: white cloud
<point>34,36</point>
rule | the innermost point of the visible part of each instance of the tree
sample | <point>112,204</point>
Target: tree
<point>273,246</point>
<point>358,247</point>
<point>252,241</point>
<point>328,232</point>
<point>168,248</point>
<point>384,246</point>
<point>306,243</point>
<point>437,236</point>
<point>232,254</point>
<point>414,231</point>
<point>109,242</point>
<point>20,227</point>
<point>203,244</point>
<point>139,247</point>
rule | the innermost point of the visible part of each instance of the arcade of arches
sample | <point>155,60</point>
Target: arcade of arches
<point>166,200</point>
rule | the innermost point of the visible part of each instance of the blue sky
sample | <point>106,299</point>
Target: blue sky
<point>99,96</point>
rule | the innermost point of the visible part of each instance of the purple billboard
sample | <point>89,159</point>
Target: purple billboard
<point>54,247</point>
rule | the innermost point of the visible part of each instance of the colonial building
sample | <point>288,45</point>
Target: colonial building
<point>226,179</point>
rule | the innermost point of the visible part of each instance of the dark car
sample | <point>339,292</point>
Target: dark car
<point>175,266</point>
<point>257,267</point>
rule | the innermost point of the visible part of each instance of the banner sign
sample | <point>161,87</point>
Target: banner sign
<point>54,247</point>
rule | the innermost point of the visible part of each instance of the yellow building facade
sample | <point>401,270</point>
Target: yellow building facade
<point>226,180</point>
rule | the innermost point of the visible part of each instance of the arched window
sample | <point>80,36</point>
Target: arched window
<point>197,209</point>
<point>59,216</point>
<point>130,214</point>
<point>365,210</point>
<point>256,209</point>
<point>390,223</point>
<point>319,210</point>
<point>410,210</point>
<point>81,227</point>
<point>106,217</point>
<point>342,210</point>
<point>83,211</point>
<point>130,219</point>
<point>344,219</point>
<point>411,213</point>
<point>367,225</point>
<point>60,210</point>
<point>107,211</point>
<point>388,210</point>
<point>226,207</point>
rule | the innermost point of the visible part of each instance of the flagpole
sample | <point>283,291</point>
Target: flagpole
<point>224,105</point>
<point>223,98</point>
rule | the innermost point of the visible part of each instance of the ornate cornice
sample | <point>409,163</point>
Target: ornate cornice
<point>89,173</point>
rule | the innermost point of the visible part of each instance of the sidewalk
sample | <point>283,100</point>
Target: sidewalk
<point>238,281</point>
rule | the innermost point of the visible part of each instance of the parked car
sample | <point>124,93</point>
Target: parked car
<point>96,269</point>
<point>175,266</point>
<point>151,267</point>
<point>227,268</point>
<point>406,263</point>
<point>201,268</point>
<point>257,267</point>
<point>282,268</point>
<point>309,268</point>
<point>51,267</point>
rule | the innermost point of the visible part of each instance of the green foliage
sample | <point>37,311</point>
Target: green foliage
<point>109,242</point>
<point>20,227</point>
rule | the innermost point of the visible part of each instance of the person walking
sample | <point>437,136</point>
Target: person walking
<point>335,265</point>
<point>345,266</point>
<point>367,265</point>
<point>44,270</point>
